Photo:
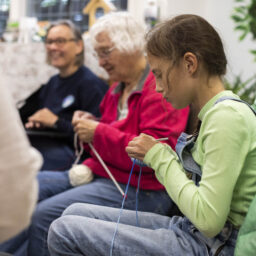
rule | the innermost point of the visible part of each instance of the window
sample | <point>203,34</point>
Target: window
<point>99,12</point>
<point>120,4</point>
<point>4,14</point>
<point>50,10</point>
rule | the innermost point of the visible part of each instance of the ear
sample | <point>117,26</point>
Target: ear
<point>80,46</point>
<point>191,62</point>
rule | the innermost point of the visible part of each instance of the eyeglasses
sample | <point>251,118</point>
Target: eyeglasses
<point>104,54</point>
<point>58,41</point>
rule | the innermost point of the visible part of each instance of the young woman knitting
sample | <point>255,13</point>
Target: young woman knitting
<point>211,176</point>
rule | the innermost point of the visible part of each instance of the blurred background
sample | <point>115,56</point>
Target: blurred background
<point>23,24</point>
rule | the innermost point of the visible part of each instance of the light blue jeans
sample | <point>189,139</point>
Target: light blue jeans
<point>86,229</point>
<point>57,194</point>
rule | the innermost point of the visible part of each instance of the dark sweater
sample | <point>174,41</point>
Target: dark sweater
<point>81,91</point>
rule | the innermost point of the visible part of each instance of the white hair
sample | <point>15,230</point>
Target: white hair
<point>123,30</point>
<point>91,60</point>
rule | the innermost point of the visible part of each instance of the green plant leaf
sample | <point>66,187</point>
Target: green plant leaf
<point>241,9</point>
<point>241,27</point>
<point>253,52</point>
<point>242,37</point>
<point>245,89</point>
<point>237,18</point>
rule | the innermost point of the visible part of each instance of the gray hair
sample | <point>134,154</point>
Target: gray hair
<point>123,30</point>
<point>76,33</point>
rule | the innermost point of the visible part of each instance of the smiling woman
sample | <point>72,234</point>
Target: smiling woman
<point>74,88</point>
<point>120,51</point>
<point>65,49</point>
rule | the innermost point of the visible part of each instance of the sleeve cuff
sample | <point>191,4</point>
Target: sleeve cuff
<point>63,125</point>
<point>151,154</point>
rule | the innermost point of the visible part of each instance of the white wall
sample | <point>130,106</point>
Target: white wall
<point>136,7</point>
<point>218,13</point>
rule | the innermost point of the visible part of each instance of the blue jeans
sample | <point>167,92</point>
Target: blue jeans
<point>100,191</point>
<point>88,230</point>
<point>57,153</point>
<point>52,183</point>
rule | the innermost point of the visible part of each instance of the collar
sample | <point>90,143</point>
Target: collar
<point>72,76</point>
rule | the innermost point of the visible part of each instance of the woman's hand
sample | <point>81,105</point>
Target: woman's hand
<point>139,146</point>
<point>79,114</point>
<point>42,118</point>
<point>85,129</point>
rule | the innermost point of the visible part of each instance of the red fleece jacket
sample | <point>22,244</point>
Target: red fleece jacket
<point>148,113</point>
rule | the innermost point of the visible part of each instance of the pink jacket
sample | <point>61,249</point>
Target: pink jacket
<point>148,113</point>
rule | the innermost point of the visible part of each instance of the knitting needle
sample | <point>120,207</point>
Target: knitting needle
<point>162,139</point>
<point>106,168</point>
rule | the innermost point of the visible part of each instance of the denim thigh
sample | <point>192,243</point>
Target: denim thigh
<point>57,154</point>
<point>100,191</point>
<point>88,230</point>
<point>52,183</point>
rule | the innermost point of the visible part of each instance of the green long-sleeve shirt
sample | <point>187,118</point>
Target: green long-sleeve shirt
<point>245,245</point>
<point>226,151</point>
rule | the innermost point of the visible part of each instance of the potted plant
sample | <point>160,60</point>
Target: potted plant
<point>244,16</point>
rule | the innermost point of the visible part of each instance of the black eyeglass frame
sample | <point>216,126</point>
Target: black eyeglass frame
<point>58,41</point>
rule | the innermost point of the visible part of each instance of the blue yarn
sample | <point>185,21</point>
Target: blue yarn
<point>122,207</point>
<point>137,198</point>
<point>138,162</point>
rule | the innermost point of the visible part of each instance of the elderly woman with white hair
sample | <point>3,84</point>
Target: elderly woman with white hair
<point>129,108</point>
